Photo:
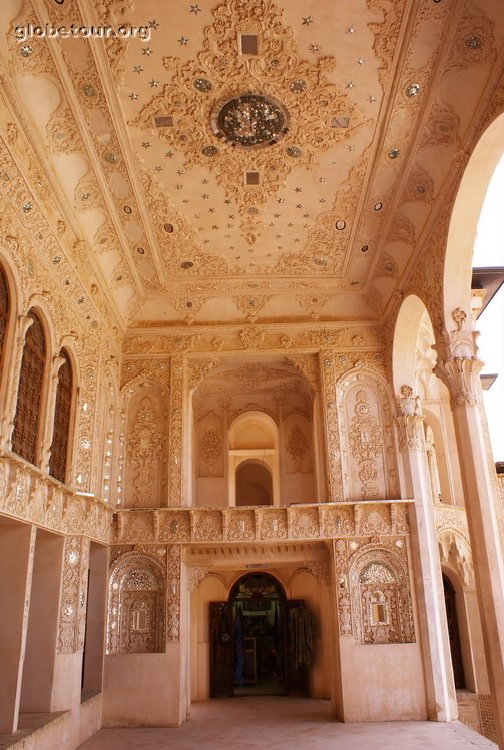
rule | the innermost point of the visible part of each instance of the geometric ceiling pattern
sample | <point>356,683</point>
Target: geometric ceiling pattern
<point>249,161</point>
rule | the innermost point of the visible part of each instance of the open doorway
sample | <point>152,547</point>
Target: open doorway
<point>453,632</point>
<point>258,609</point>
<point>261,642</point>
<point>254,484</point>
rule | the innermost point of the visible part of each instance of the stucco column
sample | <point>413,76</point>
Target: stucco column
<point>22,324</point>
<point>461,376</point>
<point>330,421</point>
<point>459,367</point>
<point>176,436</point>
<point>45,449</point>
<point>438,670</point>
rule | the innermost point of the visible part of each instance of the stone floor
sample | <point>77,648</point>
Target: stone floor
<point>277,723</point>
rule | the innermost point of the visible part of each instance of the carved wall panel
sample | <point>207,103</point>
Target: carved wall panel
<point>298,445</point>
<point>112,461</point>
<point>145,442</point>
<point>73,595</point>
<point>380,595</point>
<point>177,378</point>
<point>210,442</point>
<point>136,608</point>
<point>368,458</point>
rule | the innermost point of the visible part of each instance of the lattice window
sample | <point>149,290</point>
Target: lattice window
<point>4,311</point>
<point>24,437</point>
<point>59,446</point>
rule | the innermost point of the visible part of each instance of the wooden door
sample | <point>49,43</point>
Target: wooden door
<point>221,649</point>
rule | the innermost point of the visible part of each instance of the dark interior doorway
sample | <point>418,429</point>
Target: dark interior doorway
<point>453,632</point>
<point>254,484</point>
<point>261,642</point>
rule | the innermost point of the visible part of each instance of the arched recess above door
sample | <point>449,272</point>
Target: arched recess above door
<point>253,450</point>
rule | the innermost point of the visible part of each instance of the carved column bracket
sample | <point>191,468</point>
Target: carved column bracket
<point>461,377</point>
<point>411,432</point>
<point>195,574</point>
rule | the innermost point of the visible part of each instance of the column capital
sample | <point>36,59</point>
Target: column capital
<point>411,433</point>
<point>461,377</point>
<point>458,365</point>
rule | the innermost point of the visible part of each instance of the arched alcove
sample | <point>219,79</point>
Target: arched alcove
<point>253,483</point>
<point>255,407</point>
<point>253,461</point>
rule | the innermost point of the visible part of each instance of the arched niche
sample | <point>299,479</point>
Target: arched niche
<point>464,220</point>
<point>253,440</point>
<point>253,483</point>
<point>136,619</point>
<point>145,437</point>
<point>381,597</point>
<point>369,468</point>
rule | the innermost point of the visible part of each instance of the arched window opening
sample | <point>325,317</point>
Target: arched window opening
<point>59,446</point>
<point>254,484</point>
<point>4,311</point>
<point>253,462</point>
<point>26,421</point>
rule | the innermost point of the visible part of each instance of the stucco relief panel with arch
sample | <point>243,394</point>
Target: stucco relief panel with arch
<point>145,444</point>
<point>136,605</point>
<point>369,468</point>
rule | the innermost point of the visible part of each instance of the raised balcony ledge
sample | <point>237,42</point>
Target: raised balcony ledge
<point>273,523</point>
<point>28,494</point>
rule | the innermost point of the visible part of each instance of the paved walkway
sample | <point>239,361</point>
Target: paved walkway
<point>276,723</point>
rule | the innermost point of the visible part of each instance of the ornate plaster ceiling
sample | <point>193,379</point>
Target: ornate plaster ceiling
<point>250,161</point>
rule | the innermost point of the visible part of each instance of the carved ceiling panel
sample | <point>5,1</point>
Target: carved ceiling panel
<point>246,161</point>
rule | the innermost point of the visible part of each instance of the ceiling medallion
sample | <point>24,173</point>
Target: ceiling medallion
<point>251,120</point>
<point>251,116</point>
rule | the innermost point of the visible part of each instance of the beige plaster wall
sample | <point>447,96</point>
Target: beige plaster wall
<point>143,689</point>
<point>90,717</point>
<point>316,596</point>
<point>382,682</point>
